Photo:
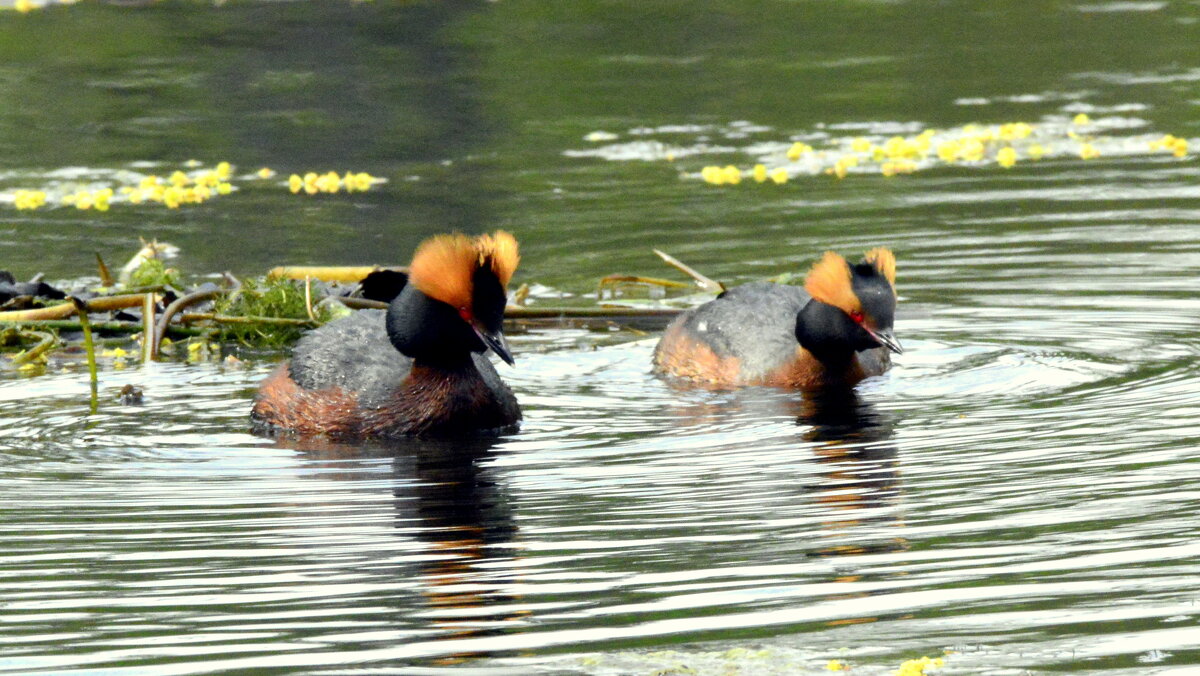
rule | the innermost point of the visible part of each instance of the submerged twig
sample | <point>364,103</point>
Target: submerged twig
<point>45,342</point>
<point>614,280</point>
<point>705,283</point>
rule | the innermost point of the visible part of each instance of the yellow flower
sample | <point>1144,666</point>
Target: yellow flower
<point>712,174</point>
<point>1179,147</point>
<point>29,199</point>
<point>1007,157</point>
<point>295,183</point>
<point>1015,130</point>
<point>24,6</point>
<point>224,188</point>
<point>100,199</point>
<point>1036,151</point>
<point>115,353</point>
<point>149,182</point>
<point>948,151</point>
<point>923,142</point>
<point>1081,119</point>
<point>839,169</point>
<point>899,148</point>
<point>972,150</point>
<point>179,179</point>
<point>797,150</point>
<point>223,170</point>
<point>363,181</point>
<point>860,145</point>
<point>836,665</point>
<point>760,173</point>
<point>208,179</point>
<point>779,176</point>
<point>733,175</point>
<point>265,172</point>
<point>329,182</point>
<point>1088,152</point>
<point>670,156</point>
<point>310,183</point>
<point>172,197</point>
<point>136,196</point>
<point>917,667</point>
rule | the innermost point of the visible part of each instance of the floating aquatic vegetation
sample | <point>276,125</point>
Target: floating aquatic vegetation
<point>913,149</point>
<point>190,185</point>
<point>918,667</point>
<point>153,272</point>
<point>269,299</point>
<point>312,183</point>
<point>29,199</point>
<point>109,187</point>
<point>766,661</point>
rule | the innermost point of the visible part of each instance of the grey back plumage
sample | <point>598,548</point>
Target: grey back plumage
<point>354,354</point>
<point>756,323</point>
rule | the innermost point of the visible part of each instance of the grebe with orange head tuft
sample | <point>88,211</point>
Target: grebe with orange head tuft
<point>836,330</point>
<point>417,369</point>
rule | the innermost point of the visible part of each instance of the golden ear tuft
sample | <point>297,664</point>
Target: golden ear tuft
<point>829,282</point>
<point>499,250</point>
<point>442,268</point>
<point>884,261</point>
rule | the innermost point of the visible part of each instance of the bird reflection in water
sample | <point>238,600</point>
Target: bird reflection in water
<point>447,497</point>
<point>460,510</point>
<point>861,486</point>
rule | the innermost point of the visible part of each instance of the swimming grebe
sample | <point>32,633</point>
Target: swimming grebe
<point>416,369</point>
<point>836,330</point>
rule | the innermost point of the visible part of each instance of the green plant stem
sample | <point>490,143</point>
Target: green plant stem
<point>45,342</point>
<point>89,347</point>
<point>99,327</point>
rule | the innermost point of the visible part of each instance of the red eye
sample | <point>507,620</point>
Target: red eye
<point>857,317</point>
<point>465,313</point>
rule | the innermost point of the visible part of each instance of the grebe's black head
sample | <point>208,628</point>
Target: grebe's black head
<point>859,303</point>
<point>454,302</point>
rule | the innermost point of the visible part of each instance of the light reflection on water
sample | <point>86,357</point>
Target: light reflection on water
<point>625,510</point>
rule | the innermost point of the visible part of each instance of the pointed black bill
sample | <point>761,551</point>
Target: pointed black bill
<point>887,340</point>
<point>496,342</point>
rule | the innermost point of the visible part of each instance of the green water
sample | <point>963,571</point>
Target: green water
<point>1022,489</point>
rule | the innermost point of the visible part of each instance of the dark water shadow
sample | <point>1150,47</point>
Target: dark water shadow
<point>860,488</point>
<point>446,496</point>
